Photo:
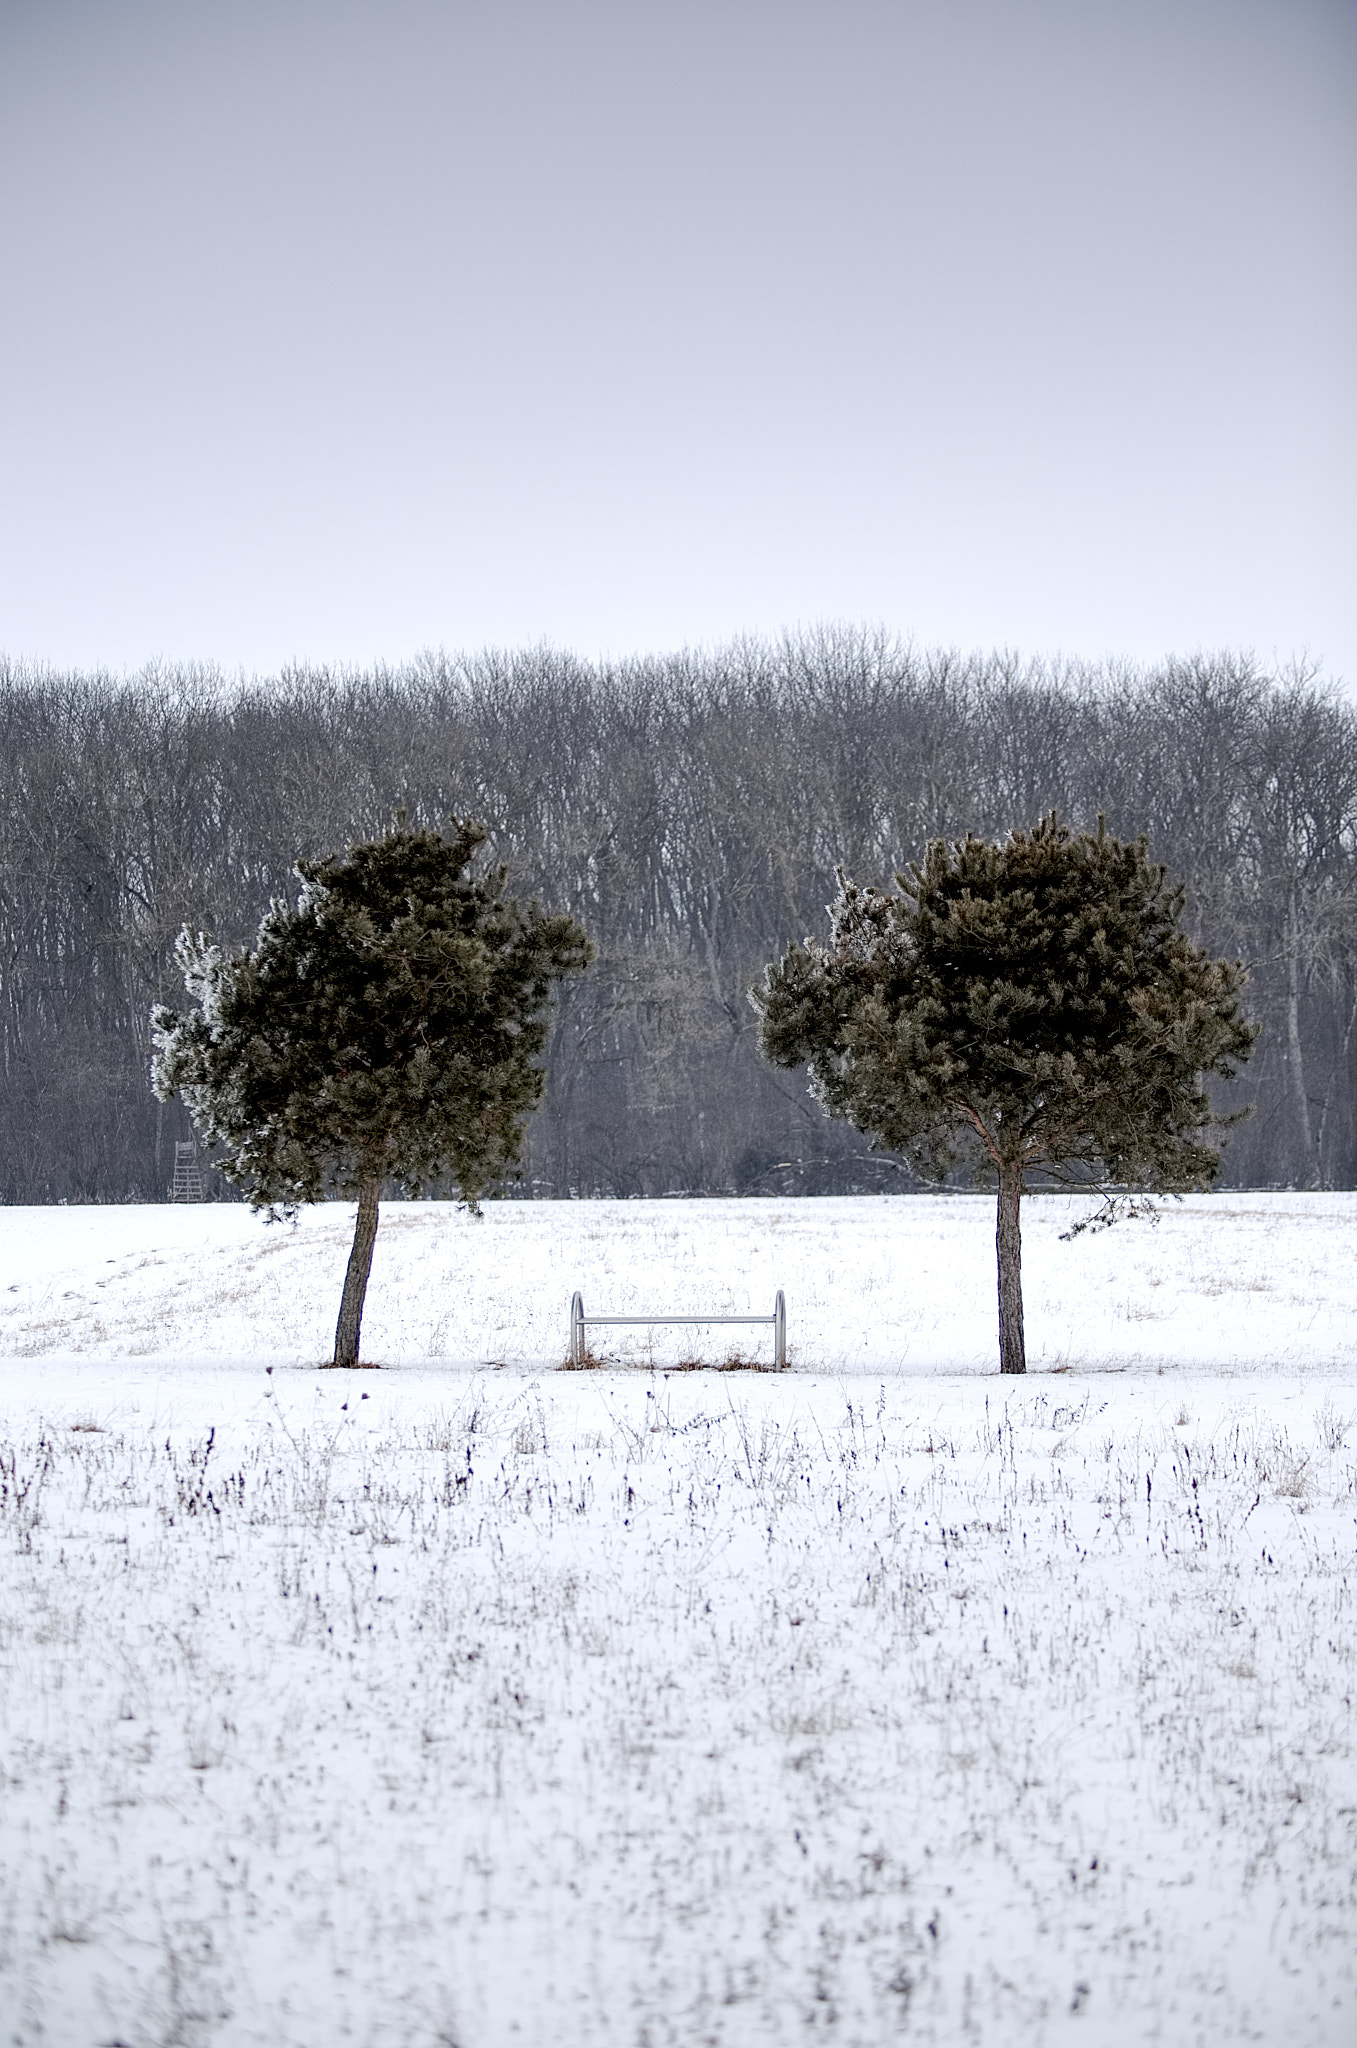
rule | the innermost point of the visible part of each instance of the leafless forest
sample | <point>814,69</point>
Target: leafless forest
<point>690,810</point>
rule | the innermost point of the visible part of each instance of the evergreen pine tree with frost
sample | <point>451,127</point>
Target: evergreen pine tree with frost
<point>1030,1009</point>
<point>386,1029</point>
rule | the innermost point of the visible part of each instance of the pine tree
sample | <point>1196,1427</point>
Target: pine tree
<point>1030,1009</point>
<point>384,1029</point>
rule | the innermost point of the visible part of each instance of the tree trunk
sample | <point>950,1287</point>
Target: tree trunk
<point>1008,1243</point>
<point>1340,1067</point>
<point>1295,1062</point>
<point>356,1279</point>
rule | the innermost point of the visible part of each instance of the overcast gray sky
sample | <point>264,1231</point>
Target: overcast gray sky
<point>334,331</point>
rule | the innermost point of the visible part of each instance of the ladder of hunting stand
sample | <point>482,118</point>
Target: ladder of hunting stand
<point>188,1181</point>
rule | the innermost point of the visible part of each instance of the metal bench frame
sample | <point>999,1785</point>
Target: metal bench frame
<point>578,1322</point>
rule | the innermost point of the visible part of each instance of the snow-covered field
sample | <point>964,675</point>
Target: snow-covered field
<point>474,1702</point>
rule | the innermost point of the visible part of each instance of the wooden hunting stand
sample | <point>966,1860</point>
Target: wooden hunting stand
<point>188,1181</point>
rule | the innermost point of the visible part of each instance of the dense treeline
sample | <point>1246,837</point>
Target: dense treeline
<point>690,811</point>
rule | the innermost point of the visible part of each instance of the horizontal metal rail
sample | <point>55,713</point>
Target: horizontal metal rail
<point>578,1321</point>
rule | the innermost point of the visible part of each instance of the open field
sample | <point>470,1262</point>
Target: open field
<point>474,1702</point>
<point>898,1285</point>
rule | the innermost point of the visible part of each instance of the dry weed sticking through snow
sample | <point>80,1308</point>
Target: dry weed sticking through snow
<point>420,1730</point>
<point>679,1707</point>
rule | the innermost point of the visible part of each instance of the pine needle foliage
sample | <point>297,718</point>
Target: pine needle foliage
<point>386,1029</point>
<point>1030,1010</point>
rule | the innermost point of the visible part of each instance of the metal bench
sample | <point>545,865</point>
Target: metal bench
<point>579,1320</point>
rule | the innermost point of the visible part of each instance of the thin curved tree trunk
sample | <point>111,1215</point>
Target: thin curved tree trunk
<point>356,1278</point>
<point>1295,1061</point>
<point>1340,1067</point>
<point>1008,1245</point>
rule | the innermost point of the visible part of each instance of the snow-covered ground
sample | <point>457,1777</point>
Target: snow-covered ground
<point>893,1285</point>
<point>474,1702</point>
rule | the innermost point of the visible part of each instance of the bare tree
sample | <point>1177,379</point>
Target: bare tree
<point>689,809</point>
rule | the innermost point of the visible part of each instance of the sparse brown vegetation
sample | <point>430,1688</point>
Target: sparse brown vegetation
<point>699,1668</point>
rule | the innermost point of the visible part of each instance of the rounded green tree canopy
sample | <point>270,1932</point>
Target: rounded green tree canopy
<point>1032,1007</point>
<point>385,1029</point>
